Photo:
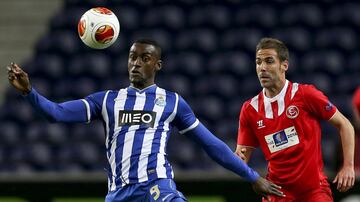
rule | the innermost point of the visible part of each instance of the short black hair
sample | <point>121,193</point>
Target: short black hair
<point>279,46</point>
<point>150,42</point>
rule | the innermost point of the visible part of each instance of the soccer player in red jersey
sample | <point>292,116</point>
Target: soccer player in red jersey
<point>284,120</point>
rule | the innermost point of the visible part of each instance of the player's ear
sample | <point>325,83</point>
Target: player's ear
<point>285,65</point>
<point>158,65</point>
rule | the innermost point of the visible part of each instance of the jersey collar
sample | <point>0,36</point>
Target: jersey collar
<point>147,89</point>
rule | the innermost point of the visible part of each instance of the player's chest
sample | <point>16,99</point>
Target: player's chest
<point>140,112</point>
<point>282,130</point>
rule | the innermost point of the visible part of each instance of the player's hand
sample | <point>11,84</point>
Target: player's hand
<point>241,153</point>
<point>345,178</point>
<point>267,188</point>
<point>19,79</point>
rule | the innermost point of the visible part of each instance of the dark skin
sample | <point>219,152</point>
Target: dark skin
<point>144,61</point>
<point>143,64</point>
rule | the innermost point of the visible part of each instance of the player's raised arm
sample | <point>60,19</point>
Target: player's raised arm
<point>71,111</point>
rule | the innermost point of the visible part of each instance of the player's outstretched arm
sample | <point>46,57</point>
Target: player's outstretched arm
<point>223,155</point>
<point>71,111</point>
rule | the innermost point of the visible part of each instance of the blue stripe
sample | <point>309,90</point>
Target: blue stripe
<point>138,140</point>
<point>129,105</point>
<point>152,161</point>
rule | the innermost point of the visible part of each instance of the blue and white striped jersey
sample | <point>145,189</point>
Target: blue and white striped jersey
<point>138,125</point>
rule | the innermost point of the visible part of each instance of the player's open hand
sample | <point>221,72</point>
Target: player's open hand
<point>345,178</point>
<point>267,188</point>
<point>18,78</point>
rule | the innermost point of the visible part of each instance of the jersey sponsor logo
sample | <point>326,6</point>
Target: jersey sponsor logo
<point>136,117</point>
<point>282,139</point>
<point>160,101</point>
<point>292,112</point>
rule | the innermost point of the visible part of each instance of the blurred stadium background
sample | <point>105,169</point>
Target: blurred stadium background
<point>208,58</point>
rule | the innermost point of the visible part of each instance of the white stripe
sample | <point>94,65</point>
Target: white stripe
<point>149,137</point>
<point>294,89</point>
<point>88,114</point>
<point>255,103</point>
<point>196,123</point>
<point>167,196</point>
<point>281,106</point>
<point>160,165</point>
<point>106,120</point>
<point>268,109</point>
<point>129,139</point>
<point>280,98</point>
<point>117,106</point>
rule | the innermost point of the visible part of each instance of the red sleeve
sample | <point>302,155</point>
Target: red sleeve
<point>318,103</point>
<point>245,134</point>
<point>356,101</point>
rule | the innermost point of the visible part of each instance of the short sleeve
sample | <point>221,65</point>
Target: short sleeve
<point>246,136</point>
<point>185,119</point>
<point>93,105</point>
<point>319,105</point>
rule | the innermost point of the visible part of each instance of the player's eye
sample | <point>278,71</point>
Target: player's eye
<point>132,57</point>
<point>258,62</point>
<point>146,58</point>
<point>270,61</point>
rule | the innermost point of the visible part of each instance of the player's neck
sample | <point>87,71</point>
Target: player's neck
<point>275,89</point>
<point>141,86</point>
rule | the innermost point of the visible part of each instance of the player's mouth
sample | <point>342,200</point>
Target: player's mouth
<point>264,77</point>
<point>135,73</point>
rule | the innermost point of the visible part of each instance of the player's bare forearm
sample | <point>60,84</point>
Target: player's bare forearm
<point>345,178</point>
<point>347,134</point>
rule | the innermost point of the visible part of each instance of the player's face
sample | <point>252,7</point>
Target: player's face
<point>269,69</point>
<point>143,64</point>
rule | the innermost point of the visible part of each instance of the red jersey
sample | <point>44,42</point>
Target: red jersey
<point>287,128</point>
<point>356,101</point>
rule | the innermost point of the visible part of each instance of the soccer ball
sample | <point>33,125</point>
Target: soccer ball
<point>98,28</point>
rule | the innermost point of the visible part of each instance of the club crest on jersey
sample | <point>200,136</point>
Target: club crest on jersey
<point>136,117</point>
<point>292,112</point>
<point>160,101</point>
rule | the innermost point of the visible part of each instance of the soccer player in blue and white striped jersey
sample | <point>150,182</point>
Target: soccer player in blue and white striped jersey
<point>138,120</point>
